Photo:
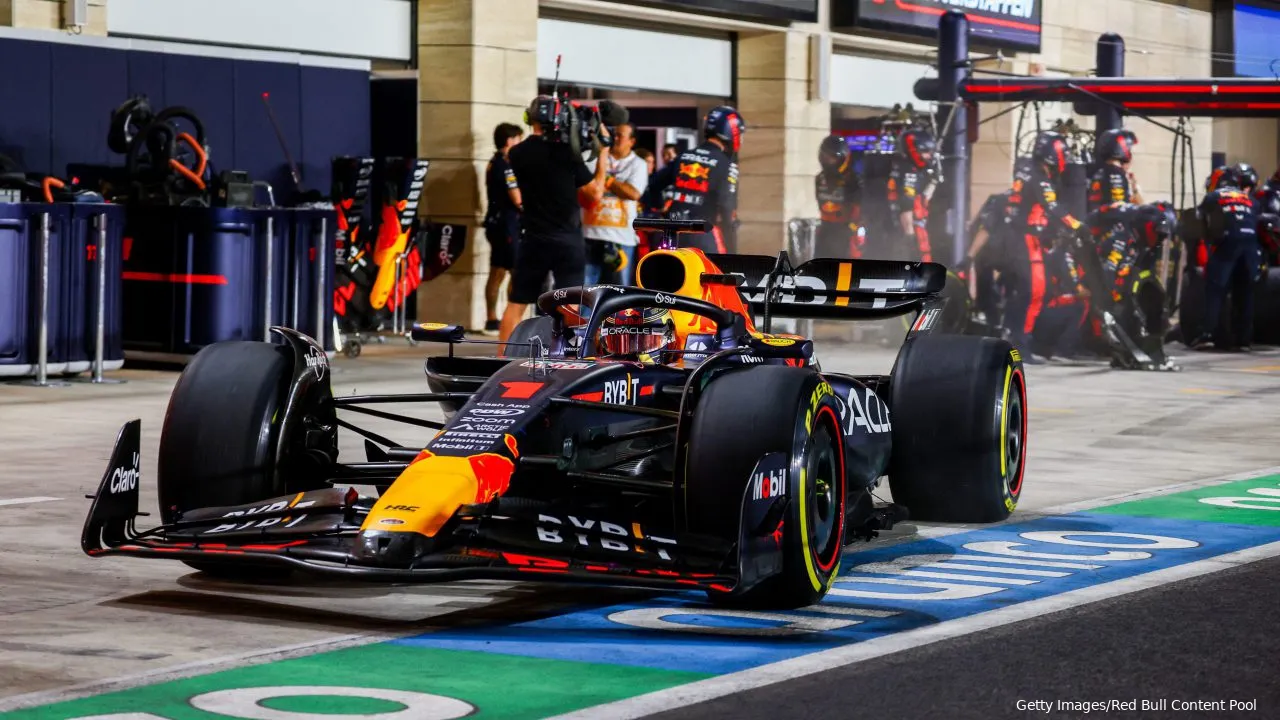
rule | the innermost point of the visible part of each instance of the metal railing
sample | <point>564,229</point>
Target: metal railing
<point>100,254</point>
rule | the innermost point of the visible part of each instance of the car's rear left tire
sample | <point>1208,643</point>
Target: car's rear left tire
<point>221,430</point>
<point>744,416</point>
<point>959,408</point>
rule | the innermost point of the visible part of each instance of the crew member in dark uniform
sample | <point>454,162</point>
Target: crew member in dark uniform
<point>1042,220</point>
<point>1231,233</point>
<point>1267,198</point>
<point>839,194</point>
<point>1128,267</point>
<point>988,246</point>
<point>1060,327</point>
<point>1266,201</point>
<point>706,183</point>
<point>910,189</point>
<point>501,218</point>
<point>1110,184</point>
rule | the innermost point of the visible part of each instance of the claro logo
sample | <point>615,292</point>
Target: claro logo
<point>125,479</point>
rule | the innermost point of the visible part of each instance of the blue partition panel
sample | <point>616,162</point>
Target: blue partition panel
<point>90,83</point>
<point>257,147</point>
<point>25,96</point>
<point>335,121</point>
<point>146,77</point>
<point>15,359</point>
<point>207,86</point>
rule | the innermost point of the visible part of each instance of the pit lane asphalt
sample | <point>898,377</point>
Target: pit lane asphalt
<point>1211,638</point>
<point>68,620</point>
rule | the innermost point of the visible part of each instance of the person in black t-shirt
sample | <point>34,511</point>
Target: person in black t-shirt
<point>554,182</point>
<point>502,219</point>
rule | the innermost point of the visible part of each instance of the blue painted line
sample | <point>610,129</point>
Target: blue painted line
<point>891,601</point>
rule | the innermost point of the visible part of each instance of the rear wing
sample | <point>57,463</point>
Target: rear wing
<point>829,288</point>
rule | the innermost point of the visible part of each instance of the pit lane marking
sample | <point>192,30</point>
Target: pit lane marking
<point>1206,391</point>
<point>804,665</point>
<point>27,500</point>
<point>748,678</point>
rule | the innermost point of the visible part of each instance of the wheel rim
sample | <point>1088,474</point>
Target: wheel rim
<point>1014,440</point>
<point>823,503</point>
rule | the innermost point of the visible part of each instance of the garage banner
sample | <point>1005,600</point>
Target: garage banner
<point>1013,24</point>
<point>795,10</point>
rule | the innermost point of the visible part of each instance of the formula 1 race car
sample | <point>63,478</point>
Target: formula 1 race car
<point>649,436</point>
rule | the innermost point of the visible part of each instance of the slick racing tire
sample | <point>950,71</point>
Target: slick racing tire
<point>541,327</point>
<point>218,444</point>
<point>959,409</point>
<point>743,416</point>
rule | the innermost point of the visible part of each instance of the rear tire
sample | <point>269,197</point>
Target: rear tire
<point>218,445</point>
<point>743,416</point>
<point>959,409</point>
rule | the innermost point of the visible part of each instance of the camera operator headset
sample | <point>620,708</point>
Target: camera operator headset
<point>554,181</point>
<point>706,183</point>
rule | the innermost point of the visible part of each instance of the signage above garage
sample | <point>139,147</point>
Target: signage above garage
<point>794,10</point>
<point>1013,24</point>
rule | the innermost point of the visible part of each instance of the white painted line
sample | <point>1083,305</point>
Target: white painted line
<point>925,532</point>
<point>26,500</point>
<point>177,672</point>
<point>774,673</point>
<point>258,657</point>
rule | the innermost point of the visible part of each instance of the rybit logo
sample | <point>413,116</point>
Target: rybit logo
<point>769,484</point>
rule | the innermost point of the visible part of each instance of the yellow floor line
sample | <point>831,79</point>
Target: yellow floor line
<point>1206,391</point>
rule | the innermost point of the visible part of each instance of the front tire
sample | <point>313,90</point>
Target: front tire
<point>744,416</point>
<point>959,429</point>
<point>218,444</point>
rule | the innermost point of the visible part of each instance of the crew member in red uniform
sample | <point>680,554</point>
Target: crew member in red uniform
<point>910,188</point>
<point>839,194</point>
<point>706,183</point>
<point>1043,221</point>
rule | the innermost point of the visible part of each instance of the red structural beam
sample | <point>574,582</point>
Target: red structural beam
<point>1213,97</point>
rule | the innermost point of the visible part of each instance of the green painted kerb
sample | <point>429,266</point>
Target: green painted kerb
<point>499,686</point>
<point>1245,502</point>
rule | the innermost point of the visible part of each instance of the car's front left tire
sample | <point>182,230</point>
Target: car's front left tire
<point>220,434</point>
<point>748,414</point>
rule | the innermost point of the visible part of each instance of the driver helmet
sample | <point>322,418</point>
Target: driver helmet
<point>834,154</point>
<point>1050,151</point>
<point>1246,176</point>
<point>637,331</point>
<point>917,146</point>
<point>1116,144</point>
<point>726,125</point>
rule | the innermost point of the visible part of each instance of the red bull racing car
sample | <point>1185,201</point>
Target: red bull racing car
<point>657,436</point>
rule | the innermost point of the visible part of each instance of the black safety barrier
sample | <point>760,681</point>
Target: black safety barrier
<point>60,305</point>
<point>194,276</point>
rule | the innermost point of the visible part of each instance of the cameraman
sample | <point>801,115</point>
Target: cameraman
<point>554,183</point>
